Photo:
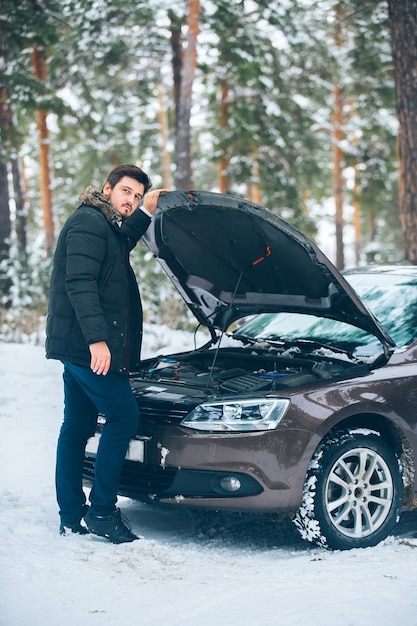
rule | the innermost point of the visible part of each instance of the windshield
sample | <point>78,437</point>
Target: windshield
<point>392,299</point>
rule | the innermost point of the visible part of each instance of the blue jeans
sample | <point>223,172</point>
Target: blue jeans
<point>85,396</point>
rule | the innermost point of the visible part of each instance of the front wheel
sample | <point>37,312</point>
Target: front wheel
<point>352,494</point>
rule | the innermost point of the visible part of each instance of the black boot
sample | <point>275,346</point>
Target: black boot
<point>114,527</point>
<point>76,528</point>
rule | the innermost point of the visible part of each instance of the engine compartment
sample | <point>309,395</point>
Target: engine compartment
<point>233,371</point>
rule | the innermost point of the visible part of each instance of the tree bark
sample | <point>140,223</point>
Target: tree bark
<point>403,27</point>
<point>5,223</point>
<point>356,220</point>
<point>5,231</point>
<point>183,174</point>
<point>255,191</point>
<point>166,161</point>
<point>338,182</point>
<point>21,211</point>
<point>40,72</point>
<point>176,50</point>
<point>223,166</point>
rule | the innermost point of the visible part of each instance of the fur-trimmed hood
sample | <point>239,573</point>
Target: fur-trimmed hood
<point>93,197</point>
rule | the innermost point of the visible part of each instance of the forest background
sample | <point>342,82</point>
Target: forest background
<point>308,107</point>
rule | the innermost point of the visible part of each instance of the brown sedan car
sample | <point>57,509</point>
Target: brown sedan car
<point>302,403</point>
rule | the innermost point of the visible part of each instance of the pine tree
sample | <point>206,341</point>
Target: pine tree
<point>403,25</point>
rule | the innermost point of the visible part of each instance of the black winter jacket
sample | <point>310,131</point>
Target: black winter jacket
<point>94,295</point>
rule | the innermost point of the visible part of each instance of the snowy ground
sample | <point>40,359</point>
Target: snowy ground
<point>188,570</point>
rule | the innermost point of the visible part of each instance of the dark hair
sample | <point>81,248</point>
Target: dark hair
<point>129,170</point>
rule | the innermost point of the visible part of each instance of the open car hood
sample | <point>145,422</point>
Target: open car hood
<point>230,258</point>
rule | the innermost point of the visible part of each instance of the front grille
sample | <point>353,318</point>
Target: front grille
<point>161,412</point>
<point>137,479</point>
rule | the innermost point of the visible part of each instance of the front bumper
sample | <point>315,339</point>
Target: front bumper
<point>261,472</point>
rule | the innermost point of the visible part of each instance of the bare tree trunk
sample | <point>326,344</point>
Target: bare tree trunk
<point>255,194</point>
<point>5,231</point>
<point>166,162</point>
<point>338,182</point>
<point>5,223</point>
<point>356,218</point>
<point>8,131</point>
<point>183,174</point>
<point>21,211</point>
<point>40,72</point>
<point>371,253</point>
<point>403,26</point>
<point>223,166</point>
<point>372,225</point>
<point>176,49</point>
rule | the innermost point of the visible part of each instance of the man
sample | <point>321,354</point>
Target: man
<point>94,327</point>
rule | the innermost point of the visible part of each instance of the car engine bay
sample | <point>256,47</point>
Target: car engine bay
<point>231,371</point>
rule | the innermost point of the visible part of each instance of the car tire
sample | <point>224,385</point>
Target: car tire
<point>353,492</point>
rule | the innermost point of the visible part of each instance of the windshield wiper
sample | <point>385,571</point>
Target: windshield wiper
<point>244,338</point>
<point>308,343</point>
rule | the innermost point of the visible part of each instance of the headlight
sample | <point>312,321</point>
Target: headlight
<point>246,415</point>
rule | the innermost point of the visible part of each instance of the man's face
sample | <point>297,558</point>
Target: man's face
<point>125,195</point>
